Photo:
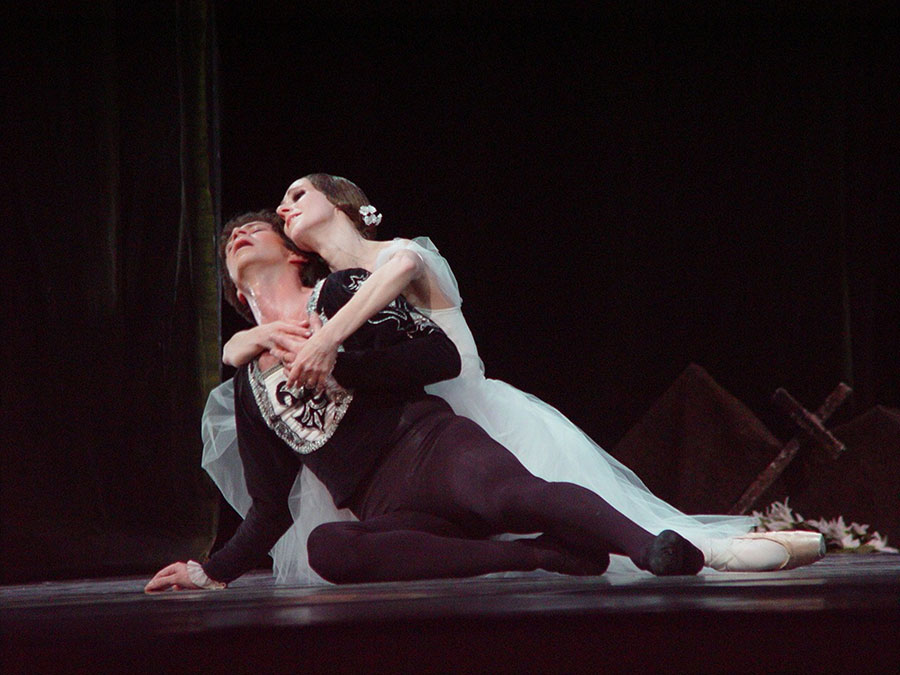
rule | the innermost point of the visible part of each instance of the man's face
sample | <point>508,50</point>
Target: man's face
<point>254,243</point>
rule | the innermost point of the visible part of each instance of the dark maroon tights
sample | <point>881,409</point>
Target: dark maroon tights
<point>427,510</point>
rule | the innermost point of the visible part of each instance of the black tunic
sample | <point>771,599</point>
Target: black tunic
<point>386,363</point>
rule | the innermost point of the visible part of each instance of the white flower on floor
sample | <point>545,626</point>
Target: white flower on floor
<point>879,543</point>
<point>777,517</point>
<point>835,530</point>
<point>853,538</point>
<point>858,529</point>
<point>849,541</point>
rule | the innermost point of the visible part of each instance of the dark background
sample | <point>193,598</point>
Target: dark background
<point>621,190</point>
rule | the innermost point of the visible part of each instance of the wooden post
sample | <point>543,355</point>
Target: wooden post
<point>811,425</point>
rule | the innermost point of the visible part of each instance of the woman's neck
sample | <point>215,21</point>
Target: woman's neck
<point>342,246</point>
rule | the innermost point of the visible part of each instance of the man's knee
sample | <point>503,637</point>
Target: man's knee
<point>517,495</point>
<point>333,553</point>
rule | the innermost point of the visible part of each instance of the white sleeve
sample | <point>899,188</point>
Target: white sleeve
<point>436,263</point>
<point>198,577</point>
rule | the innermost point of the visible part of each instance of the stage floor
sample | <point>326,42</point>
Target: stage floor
<point>841,614</point>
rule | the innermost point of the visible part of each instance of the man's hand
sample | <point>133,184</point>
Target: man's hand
<point>315,360</point>
<point>282,339</point>
<point>174,576</point>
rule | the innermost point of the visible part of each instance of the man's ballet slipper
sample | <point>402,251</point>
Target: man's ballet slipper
<point>766,551</point>
<point>670,554</point>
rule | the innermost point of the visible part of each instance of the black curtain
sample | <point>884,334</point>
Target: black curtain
<point>621,188</point>
<point>106,342</point>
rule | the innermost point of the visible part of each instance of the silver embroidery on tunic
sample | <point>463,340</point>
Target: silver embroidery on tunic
<point>305,420</point>
<point>406,318</point>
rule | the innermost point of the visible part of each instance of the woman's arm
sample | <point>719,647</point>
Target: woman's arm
<point>283,339</point>
<point>315,359</point>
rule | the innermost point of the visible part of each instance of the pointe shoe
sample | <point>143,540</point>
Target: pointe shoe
<point>766,551</point>
<point>672,554</point>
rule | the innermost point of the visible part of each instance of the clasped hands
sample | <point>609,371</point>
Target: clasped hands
<point>303,347</point>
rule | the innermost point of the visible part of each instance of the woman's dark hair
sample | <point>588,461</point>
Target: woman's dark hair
<point>347,196</point>
<point>311,271</point>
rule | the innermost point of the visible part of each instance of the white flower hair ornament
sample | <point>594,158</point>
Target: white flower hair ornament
<point>370,215</point>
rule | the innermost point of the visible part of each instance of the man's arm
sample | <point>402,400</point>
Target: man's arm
<point>270,469</point>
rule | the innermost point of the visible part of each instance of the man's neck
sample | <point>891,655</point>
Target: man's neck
<point>277,296</point>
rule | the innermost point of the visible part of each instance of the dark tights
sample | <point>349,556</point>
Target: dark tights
<point>444,487</point>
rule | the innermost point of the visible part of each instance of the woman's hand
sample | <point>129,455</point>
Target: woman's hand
<point>312,363</point>
<point>315,360</point>
<point>283,339</point>
<point>174,576</point>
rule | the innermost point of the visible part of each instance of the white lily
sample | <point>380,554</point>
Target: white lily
<point>879,543</point>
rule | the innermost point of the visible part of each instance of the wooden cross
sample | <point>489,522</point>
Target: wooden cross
<point>811,425</point>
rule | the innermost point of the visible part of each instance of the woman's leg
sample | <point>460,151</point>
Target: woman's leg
<point>404,546</point>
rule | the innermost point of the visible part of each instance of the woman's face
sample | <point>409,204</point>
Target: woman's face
<point>302,207</point>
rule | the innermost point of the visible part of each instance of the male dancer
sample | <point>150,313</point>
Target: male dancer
<point>428,486</point>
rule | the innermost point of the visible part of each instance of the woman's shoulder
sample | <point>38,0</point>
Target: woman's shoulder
<point>436,266</point>
<point>391,246</point>
<point>422,246</point>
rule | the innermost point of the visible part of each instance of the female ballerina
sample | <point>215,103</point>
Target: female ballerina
<point>545,441</point>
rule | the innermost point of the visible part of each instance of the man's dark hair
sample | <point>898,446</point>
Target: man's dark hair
<point>311,271</point>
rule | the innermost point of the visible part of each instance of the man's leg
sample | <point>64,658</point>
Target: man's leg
<point>465,476</point>
<point>404,546</point>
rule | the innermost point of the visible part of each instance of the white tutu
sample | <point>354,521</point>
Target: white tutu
<point>541,437</point>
